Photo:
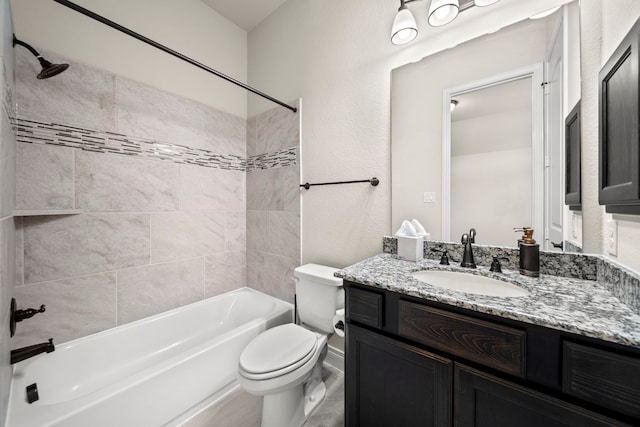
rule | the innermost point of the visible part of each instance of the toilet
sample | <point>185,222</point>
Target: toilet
<point>284,363</point>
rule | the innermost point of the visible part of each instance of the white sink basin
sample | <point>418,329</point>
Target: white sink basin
<point>469,283</point>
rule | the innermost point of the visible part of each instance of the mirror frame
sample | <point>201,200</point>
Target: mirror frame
<point>536,73</point>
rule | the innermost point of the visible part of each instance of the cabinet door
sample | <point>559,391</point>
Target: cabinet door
<point>619,175</point>
<point>389,383</point>
<point>482,400</point>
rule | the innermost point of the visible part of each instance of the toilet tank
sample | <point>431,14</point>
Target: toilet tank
<point>318,295</point>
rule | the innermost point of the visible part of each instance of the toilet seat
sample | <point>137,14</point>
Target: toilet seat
<point>277,352</point>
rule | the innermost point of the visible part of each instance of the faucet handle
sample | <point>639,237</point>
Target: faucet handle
<point>464,239</point>
<point>495,264</point>
<point>472,235</point>
<point>17,315</point>
<point>444,258</point>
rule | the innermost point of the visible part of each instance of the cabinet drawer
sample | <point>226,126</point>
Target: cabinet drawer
<point>365,307</point>
<point>496,346</point>
<point>602,377</point>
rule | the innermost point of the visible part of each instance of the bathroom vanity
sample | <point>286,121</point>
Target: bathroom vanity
<point>566,354</point>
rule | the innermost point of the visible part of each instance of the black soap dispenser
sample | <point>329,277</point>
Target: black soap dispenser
<point>529,254</point>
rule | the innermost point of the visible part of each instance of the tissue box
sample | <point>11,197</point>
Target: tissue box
<point>410,248</point>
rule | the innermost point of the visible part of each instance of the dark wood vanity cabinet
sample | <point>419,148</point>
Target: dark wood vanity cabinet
<point>411,362</point>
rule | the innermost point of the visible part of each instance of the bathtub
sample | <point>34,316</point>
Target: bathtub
<point>158,371</point>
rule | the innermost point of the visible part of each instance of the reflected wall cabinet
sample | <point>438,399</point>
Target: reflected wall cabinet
<point>619,169</point>
<point>572,173</point>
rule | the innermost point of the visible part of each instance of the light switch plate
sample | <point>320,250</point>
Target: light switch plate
<point>429,197</point>
<point>612,237</point>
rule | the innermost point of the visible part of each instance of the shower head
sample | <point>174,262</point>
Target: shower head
<point>48,69</point>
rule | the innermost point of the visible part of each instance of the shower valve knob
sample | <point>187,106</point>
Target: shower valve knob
<point>27,313</point>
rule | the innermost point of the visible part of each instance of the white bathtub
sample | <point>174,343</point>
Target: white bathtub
<point>154,372</point>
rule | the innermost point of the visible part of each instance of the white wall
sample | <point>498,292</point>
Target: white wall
<point>336,55</point>
<point>189,27</point>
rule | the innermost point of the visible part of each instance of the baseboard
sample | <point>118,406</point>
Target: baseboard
<point>335,358</point>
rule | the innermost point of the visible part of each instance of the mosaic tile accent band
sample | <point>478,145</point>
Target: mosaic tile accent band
<point>277,159</point>
<point>36,132</point>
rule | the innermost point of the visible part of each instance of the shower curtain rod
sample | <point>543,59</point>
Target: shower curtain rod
<point>157,45</point>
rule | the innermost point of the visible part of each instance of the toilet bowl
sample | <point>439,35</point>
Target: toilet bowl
<point>284,364</point>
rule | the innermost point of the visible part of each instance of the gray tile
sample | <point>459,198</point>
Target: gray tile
<point>116,183</point>
<point>7,165</point>
<point>7,265</point>
<point>150,113</point>
<point>58,247</point>
<point>6,369</point>
<point>44,177</point>
<point>284,234</point>
<point>81,96</point>
<point>75,308</point>
<point>271,274</point>
<point>208,189</point>
<point>277,129</point>
<point>152,289</point>
<point>225,272</point>
<point>19,250</point>
<point>290,178</point>
<point>236,231</point>
<point>264,189</point>
<point>178,235</point>
<point>258,230</point>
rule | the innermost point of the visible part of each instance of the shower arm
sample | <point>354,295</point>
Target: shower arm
<point>25,45</point>
<point>165,49</point>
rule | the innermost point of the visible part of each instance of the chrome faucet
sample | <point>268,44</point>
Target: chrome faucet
<point>467,256</point>
<point>23,353</point>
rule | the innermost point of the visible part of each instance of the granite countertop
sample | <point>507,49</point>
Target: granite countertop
<point>578,306</point>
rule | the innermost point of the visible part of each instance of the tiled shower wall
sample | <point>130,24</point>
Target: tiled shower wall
<point>7,199</point>
<point>162,185</point>
<point>273,203</point>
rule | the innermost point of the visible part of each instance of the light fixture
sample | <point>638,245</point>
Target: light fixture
<point>545,13</point>
<point>441,12</point>
<point>404,27</point>
<point>453,105</point>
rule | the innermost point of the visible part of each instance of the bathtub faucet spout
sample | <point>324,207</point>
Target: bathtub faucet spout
<point>23,353</point>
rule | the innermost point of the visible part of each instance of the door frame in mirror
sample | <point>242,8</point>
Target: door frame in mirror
<point>536,73</point>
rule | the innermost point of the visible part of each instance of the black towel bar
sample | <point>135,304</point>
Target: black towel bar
<point>373,181</point>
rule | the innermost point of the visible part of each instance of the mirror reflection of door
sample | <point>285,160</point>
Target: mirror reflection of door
<point>491,167</point>
<point>554,141</point>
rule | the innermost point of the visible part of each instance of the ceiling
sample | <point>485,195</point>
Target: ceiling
<point>244,13</point>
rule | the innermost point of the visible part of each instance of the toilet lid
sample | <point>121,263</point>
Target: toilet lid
<point>277,348</point>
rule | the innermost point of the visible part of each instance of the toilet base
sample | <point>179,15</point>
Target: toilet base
<point>284,409</point>
<point>291,407</point>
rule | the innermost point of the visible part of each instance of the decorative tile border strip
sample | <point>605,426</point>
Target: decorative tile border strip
<point>277,159</point>
<point>35,132</point>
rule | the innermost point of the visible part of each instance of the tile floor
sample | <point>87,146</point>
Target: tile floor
<point>240,409</point>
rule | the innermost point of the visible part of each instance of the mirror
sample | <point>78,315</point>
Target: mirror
<point>452,176</point>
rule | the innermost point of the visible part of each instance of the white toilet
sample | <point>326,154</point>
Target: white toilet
<point>284,364</point>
